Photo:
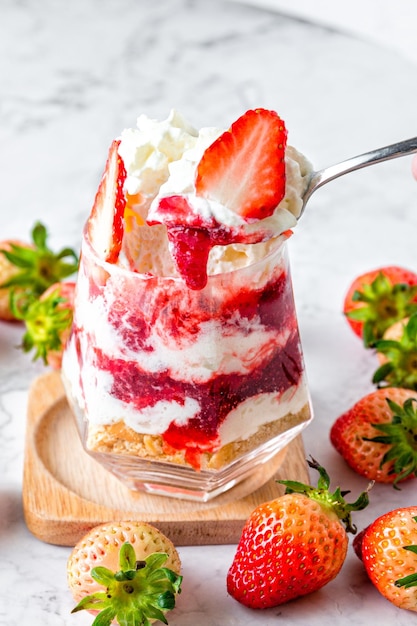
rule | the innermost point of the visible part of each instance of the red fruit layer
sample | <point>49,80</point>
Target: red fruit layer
<point>273,305</point>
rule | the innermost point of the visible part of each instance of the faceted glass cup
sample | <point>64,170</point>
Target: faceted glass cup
<point>187,393</point>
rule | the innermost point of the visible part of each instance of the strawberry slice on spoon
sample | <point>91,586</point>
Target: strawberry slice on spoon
<point>244,169</point>
<point>239,181</point>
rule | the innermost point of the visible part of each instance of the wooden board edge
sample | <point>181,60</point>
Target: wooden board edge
<point>206,528</point>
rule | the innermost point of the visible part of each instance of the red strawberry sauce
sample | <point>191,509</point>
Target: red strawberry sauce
<point>192,236</point>
<point>135,314</point>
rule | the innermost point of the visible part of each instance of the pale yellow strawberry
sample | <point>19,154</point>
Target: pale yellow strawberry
<point>148,567</point>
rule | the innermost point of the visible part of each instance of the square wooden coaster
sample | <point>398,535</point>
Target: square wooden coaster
<point>66,492</point>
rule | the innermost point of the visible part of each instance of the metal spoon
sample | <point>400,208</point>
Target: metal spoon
<point>321,177</point>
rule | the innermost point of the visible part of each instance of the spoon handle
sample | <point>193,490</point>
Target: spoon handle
<point>393,151</point>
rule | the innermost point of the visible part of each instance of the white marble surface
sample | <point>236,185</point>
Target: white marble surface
<point>387,23</point>
<point>72,75</point>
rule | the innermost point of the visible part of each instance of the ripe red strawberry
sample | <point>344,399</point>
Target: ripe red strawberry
<point>137,565</point>
<point>389,553</point>
<point>244,169</point>
<point>377,437</point>
<point>293,545</point>
<point>379,298</point>
<point>106,222</point>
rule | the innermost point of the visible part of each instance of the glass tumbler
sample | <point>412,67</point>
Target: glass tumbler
<point>186,393</point>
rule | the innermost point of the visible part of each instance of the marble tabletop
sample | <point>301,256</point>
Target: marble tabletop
<point>392,25</point>
<point>72,75</point>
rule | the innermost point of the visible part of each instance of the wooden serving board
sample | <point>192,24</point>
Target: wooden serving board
<point>66,492</point>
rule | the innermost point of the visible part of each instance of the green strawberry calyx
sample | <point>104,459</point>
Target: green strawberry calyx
<point>384,303</point>
<point>400,369</point>
<point>334,502</point>
<point>136,595</point>
<point>411,579</point>
<point>401,436</point>
<point>39,267</point>
<point>46,320</point>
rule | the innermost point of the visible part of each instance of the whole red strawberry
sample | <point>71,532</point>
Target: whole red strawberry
<point>293,545</point>
<point>377,299</point>
<point>388,550</point>
<point>377,437</point>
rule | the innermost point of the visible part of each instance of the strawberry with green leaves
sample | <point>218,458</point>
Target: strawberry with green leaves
<point>243,172</point>
<point>36,294</point>
<point>127,573</point>
<point>388,550</point>
<point>398,357</point>
<point>37,265</point>
<point>47,320</point>
<point>377,299</point>
<point>377,437</point>
<point>293,545</point>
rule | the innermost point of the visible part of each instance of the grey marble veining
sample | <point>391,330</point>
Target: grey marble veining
<point>72,75</point>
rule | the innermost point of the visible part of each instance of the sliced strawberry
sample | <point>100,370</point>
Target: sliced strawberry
<point>244,169</point>
<point>106,223</point>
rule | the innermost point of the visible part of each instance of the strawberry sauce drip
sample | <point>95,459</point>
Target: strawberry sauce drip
<point>190,250</point>
<point>192,236</point>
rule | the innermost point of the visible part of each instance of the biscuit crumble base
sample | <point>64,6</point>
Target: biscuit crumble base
<point>120,439</point>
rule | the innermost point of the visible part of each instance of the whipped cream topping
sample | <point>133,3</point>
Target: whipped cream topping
<point>149,149</point>
<point>161,158</point>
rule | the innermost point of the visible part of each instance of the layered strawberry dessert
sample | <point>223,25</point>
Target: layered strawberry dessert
<point>185,348</point>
